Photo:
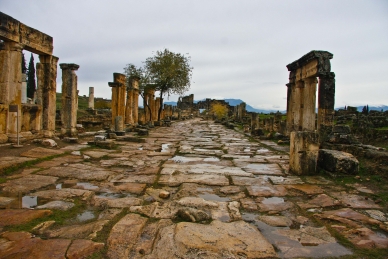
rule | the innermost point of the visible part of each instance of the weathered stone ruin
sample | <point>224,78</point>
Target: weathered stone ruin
<point>307,131</point>
<point>39,117</point>
<point>69,100</point>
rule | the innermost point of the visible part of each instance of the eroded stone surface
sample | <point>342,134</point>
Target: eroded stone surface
<point>28,183</point>
<point>124,234</point>
<point>216,240</point>
<point>20,216</point>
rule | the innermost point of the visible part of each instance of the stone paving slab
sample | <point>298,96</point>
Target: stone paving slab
<point>28,183</point>
<point>217,240</point>
<point>12,161</point>
<point>11,217</point>
<point>41,152</point>
<point>79,171</point>
<point>170,169</point>
<point>176,180</point>
<point>66,194</point>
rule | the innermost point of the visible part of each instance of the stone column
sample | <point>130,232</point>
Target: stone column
<point>149,99</point>
<point>128,107</point>
<point>297,106</point>
<point>24,88</point>
<point>290,106</point>
<point>135,100</point>
<point>326,96</point>
<point>47,88</point>
<point>304,149</point>
<point>119,124</point>
<point>11,82</point>
<point>91,98</point>
<point>309,100</point>
<point>69,99</point>
<point>156,108</point>
<point>118,96</point>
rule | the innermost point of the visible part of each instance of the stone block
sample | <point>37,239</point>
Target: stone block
<point>99,138</point>
<point>3,138</point>
<point>105,144</point>
<point>304,148</point>
<point>142,132</point>
<point>112,135</point>
<point>120,133</point>
<point>337,162</point>
<point>343,129</point>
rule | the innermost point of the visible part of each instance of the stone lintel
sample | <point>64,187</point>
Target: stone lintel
<point>70,66</point>
<point>32,39</point>
<point>327,75</point>
<point>320,54</point>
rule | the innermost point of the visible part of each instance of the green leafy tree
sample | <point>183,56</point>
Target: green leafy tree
<point>31,84</point>
<point>170,73</point>
<point>24,68</point>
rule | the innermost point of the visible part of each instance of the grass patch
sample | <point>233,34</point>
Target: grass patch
<point>102,236</point>
<point>59,216</point>
<point>13,169</point>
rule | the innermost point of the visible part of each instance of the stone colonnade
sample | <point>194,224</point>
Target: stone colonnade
<point>301,99</point>
<point>17,36</point>
<point>69,99</point>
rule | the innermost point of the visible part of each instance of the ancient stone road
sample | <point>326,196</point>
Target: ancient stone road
<point>192,190</point>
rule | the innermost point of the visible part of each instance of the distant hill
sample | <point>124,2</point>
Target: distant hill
<point>371,108</point>
<point>234,102</point>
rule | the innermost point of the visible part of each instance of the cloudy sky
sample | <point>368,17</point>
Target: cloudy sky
<point>239,49</point>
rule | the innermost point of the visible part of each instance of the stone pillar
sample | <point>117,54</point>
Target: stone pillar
<point>128,107</point>
<point>47,88</point>
<point>309,100</point>
<point>119,124</point>
<point>135,100</point>
<point>156,107</point>
<point>69,99</point>
<point>290,107</point>
<point>11,82</point>
<point>304,149</point>
<point>254,121</point>
<point>149,99</point>
<point>118,96</point>
<point>326,95</point>
<point>24,88</point>
<point>91,98</point>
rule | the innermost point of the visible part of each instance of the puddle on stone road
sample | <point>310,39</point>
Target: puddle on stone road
<point>165,148</point>
<point>86,215</point>
<point>140,148</point>
<point>264,150</point>
<point>29,201</point>
<point>272,200</point>
<point>212,197</point>
<point>87,186</point>
<point>58,186</point>
<point>284,243</point>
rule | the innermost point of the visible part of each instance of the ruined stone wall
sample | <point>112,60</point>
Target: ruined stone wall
<point>17,36</point>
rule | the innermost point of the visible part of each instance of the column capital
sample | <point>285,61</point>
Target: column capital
<point>70,66</point>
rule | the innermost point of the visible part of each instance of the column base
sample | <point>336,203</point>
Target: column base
<point>304,148</point>
<point>72,132</point>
